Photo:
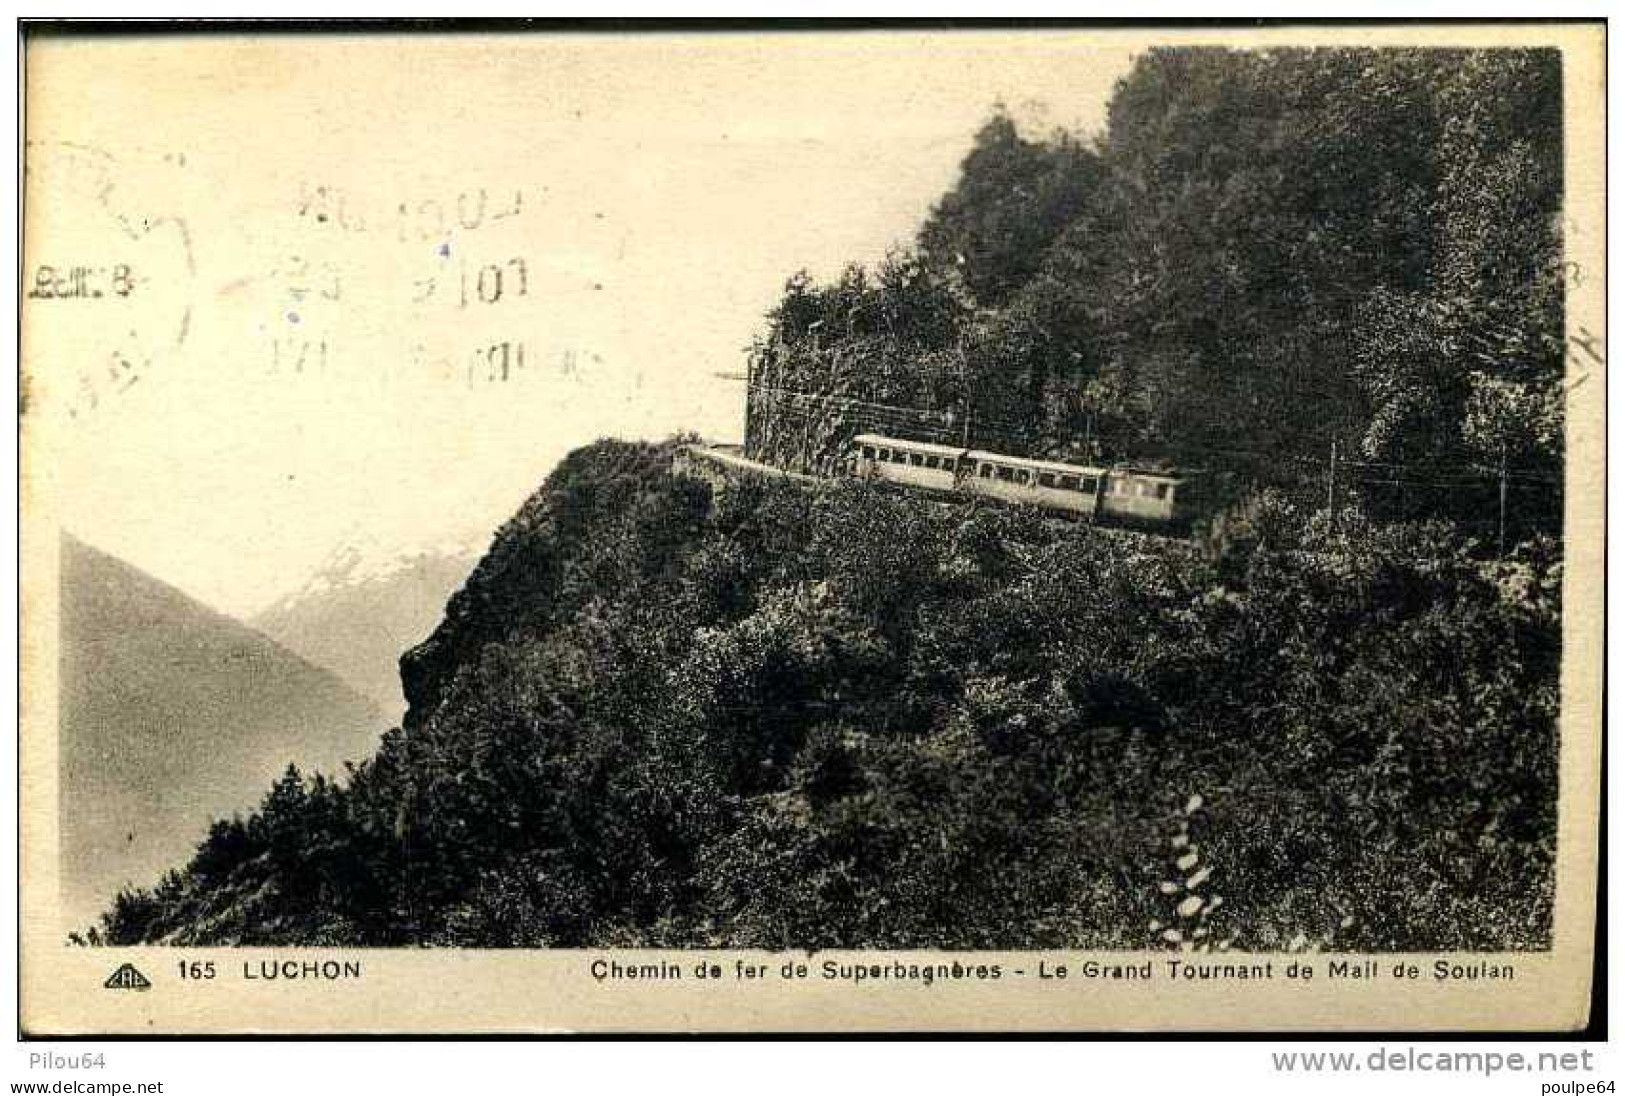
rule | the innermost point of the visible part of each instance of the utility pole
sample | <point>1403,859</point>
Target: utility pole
<point>1501,525</point>
<point>1331,481</point>
<point>750,403</point>
<point>964,376</point>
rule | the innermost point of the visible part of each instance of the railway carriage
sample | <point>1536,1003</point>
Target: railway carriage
<point>1124,494</point>
<point>915,463</point>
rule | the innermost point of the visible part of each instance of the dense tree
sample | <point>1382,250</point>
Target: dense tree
<point>1013,197</point>
<point>852,355</point>
<point>1264,253</point>
<point>916,725</point>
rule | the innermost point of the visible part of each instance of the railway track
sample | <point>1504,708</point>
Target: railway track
<point>727,461</point>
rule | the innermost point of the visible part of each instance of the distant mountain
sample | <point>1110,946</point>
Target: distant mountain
<point>172,715</point>
<point>363,609</point>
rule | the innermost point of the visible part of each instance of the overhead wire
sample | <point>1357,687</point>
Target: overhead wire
<point>1442,474</point>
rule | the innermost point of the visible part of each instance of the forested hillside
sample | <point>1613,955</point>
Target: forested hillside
<point>1266,254</point>
<point>782,715</point>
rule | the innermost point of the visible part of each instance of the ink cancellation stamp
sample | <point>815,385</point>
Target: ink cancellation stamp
<point>109,292</point>
<point>692,532</point>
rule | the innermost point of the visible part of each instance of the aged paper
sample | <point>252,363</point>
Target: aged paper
<point>308,318</point>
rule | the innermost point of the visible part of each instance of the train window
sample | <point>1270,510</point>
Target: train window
<point>868,452</point>
<point>1162,490</point>
<point>1046,479</point>
<point>1006,473</point>
<point>984,471</point>
<point>1086,485</point>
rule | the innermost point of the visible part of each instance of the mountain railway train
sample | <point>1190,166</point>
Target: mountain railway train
<point>1128,495</point>
<point>1148,499</point>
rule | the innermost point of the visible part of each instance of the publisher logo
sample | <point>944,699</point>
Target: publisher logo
<point>127,977</point>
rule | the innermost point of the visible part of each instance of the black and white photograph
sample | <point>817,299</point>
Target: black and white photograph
<point>933,506</point>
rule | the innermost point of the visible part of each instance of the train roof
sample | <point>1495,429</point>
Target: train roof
<point>1042,465</point>
<point>1064,468</point>
<point>909,443</point>
<point>1060,467</point>
<point>1172,476</point>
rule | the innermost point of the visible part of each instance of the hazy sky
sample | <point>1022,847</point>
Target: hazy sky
<point>643,202</point>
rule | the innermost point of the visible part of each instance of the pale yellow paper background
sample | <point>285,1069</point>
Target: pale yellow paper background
<point>669,184</point>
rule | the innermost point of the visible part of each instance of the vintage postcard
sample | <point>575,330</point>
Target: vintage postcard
<point>596,530</point>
